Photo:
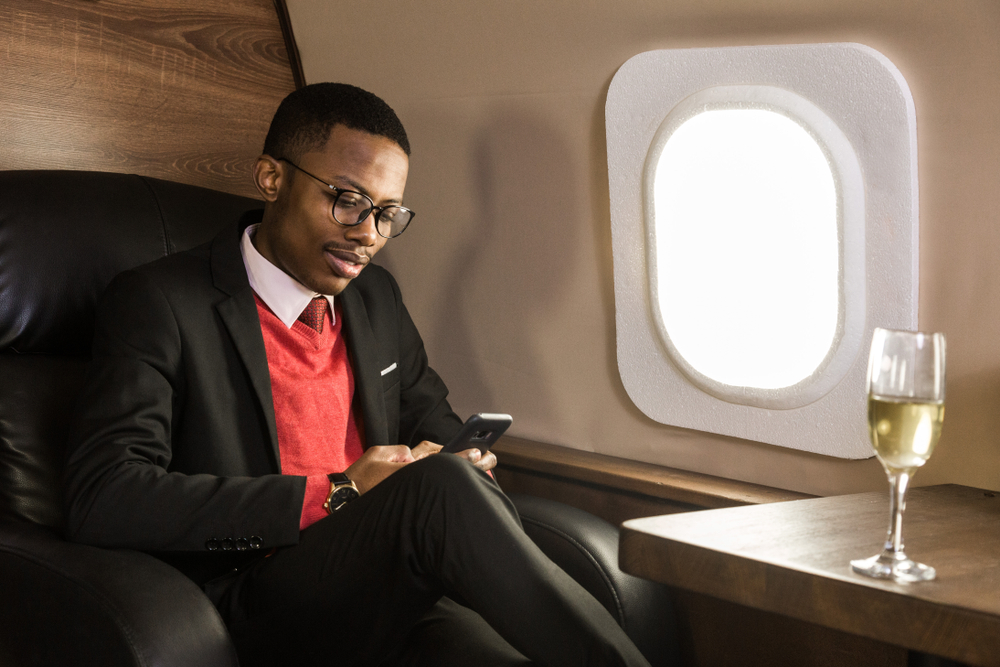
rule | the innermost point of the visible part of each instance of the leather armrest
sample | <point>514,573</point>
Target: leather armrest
<point>71,604</point>
<point>586,547</point>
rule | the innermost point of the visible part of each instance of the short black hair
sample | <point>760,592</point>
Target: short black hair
<point>304,119</point>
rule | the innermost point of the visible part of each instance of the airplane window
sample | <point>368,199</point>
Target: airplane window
<point>763,222</point>
<point>745,223</point>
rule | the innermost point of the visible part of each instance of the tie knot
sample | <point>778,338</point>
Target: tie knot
<point>315,313</point>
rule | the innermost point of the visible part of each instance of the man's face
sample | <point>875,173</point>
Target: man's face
<point>298,233</point>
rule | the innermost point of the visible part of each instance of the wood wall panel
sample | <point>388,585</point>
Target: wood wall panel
<point>177,89</point>
<point>612,504</point>
<point>617,489</point>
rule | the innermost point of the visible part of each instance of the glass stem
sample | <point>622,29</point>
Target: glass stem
<point>898,481</point>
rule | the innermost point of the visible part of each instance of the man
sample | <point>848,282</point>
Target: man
<point>243,420</point>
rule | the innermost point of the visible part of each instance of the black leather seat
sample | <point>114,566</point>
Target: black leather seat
<point>63,236</point>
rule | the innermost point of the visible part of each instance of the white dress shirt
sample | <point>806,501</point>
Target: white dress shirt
<point>284,295</point>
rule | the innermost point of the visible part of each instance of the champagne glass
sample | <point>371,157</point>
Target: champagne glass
<point>905,411</point>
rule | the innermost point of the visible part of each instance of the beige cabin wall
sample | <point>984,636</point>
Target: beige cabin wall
<point>508,268</point>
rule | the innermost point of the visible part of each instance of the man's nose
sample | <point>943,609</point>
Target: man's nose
<point>364,232</point>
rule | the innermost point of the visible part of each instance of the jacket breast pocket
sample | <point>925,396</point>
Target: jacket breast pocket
<point>390,395</point>
<point>390,376</point>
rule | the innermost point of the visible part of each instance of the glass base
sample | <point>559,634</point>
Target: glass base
<point>895,566</point>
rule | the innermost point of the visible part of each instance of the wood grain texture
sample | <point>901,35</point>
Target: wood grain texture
<point>793,559</point>
<point>685,489</point>
<point>176,89</point>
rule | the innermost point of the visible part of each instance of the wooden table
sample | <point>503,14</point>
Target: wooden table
<point>793,558</point>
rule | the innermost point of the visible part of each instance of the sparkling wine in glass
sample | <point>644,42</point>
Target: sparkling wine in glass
<point>905,412</point>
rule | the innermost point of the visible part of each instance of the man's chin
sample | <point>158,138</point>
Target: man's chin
<point>331,286</point>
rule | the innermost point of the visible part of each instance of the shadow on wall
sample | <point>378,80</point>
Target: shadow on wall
<point>970,447</point>
<point>508,281</point>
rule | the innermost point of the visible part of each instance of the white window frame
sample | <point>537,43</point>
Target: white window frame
<point>857,105</point>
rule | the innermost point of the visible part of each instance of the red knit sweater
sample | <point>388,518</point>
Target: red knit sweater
<point>312,386</point>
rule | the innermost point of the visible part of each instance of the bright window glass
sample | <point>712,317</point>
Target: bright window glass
<point>746,247</point>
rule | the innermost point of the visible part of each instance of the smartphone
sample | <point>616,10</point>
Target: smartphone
<point>479,431</point>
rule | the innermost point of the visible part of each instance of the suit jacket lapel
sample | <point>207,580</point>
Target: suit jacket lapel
<point>239,315</point>
<point>363,348</point>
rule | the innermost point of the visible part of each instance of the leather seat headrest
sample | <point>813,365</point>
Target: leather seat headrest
<point>65,234</point>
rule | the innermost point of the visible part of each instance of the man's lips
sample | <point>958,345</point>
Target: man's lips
<point>346,263</point>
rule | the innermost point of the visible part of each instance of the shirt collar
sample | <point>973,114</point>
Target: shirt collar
<point>284,295</point>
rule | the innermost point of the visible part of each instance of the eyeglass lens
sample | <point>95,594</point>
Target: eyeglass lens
<point>351,208</point>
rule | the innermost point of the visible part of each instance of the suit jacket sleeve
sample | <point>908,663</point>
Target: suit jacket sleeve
<point>169,451</point>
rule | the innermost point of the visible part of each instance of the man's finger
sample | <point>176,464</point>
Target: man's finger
<point>425,449</point>
<point>488,461</point>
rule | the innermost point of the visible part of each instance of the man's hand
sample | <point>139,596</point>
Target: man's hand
<point>376,464</point>
<point>485,461</point>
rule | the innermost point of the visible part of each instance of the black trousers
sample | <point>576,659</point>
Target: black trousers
<point>364,586</point>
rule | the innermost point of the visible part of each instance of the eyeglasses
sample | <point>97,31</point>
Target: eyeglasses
<point>351,208</point>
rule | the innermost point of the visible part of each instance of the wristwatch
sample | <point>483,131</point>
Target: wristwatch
<point>342,491</point>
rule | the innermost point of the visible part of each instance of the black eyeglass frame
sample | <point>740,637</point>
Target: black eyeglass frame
<point>338,192</point>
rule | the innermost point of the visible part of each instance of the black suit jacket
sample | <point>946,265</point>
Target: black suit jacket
<point>175,447</point>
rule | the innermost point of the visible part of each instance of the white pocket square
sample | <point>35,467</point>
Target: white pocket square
<point>389,368</point>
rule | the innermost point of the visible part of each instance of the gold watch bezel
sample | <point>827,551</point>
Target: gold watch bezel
<point>336,486</point>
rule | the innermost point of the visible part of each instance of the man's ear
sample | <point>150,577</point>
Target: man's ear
<point>267,177</point>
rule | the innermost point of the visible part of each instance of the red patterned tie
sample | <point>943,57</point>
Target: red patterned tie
<point>315,313</point>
